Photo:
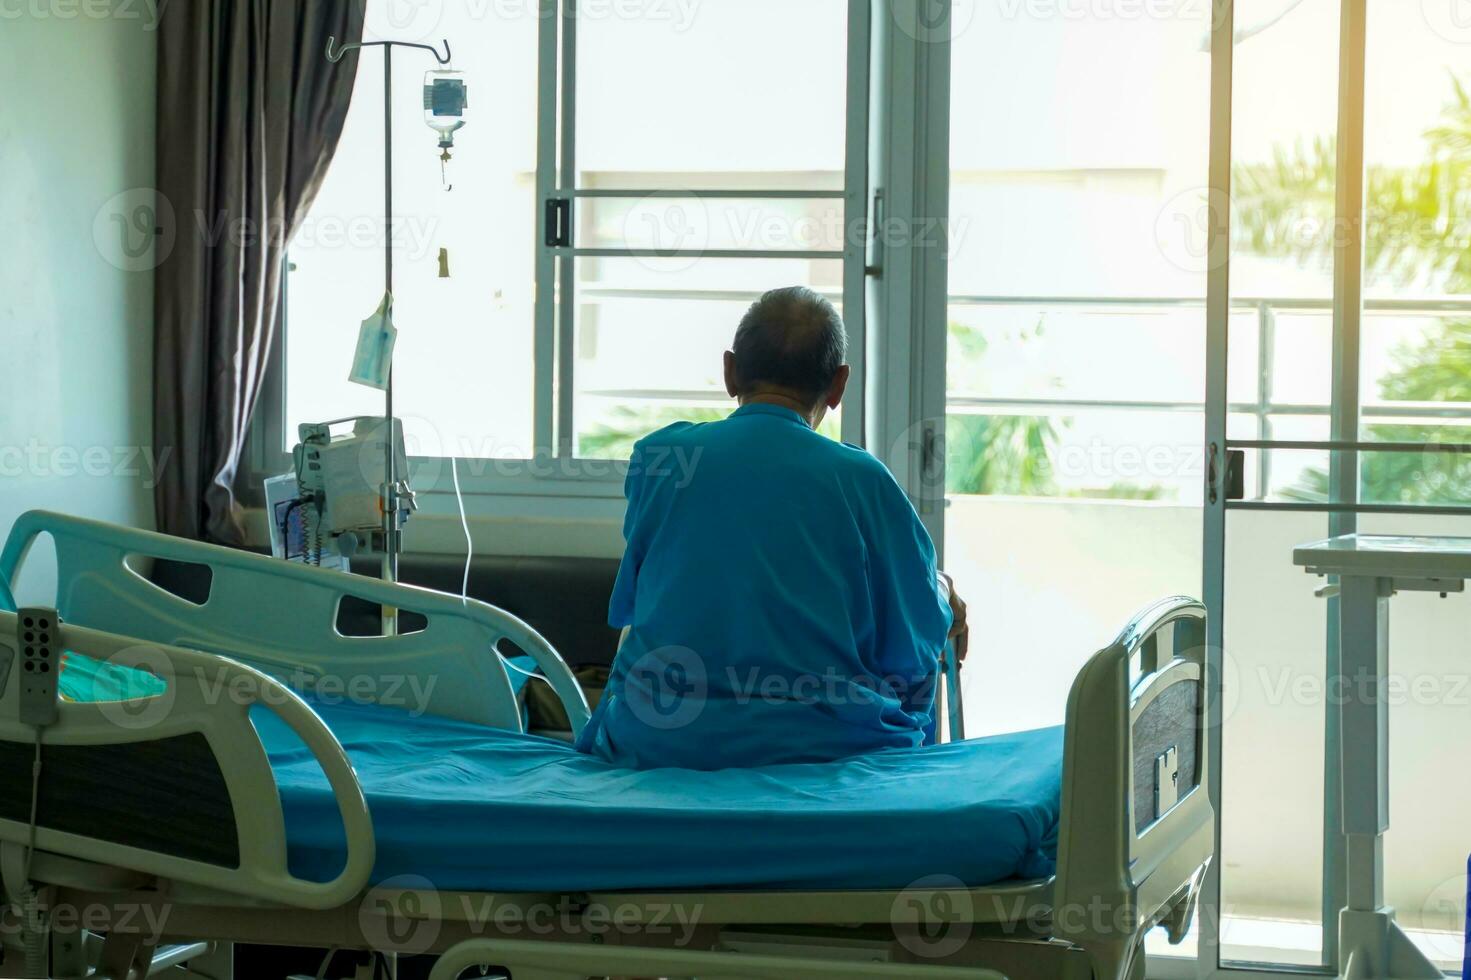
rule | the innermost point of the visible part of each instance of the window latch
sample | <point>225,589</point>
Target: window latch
<point>931,476</point>
<point>1235,474</point>
<point>875,265</point>
<point>1231,483</point>
<point>929,451</point>
<point>559,222</point>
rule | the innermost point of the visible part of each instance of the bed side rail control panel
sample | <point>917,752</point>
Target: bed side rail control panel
<point>38,636</point>
<point>1167,716</point>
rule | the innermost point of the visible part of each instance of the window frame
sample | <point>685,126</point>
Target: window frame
<point>555,472</point>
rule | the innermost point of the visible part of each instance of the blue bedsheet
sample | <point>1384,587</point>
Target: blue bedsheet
<point>469,808</point>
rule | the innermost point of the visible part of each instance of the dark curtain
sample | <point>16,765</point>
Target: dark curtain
<point>249,115</point>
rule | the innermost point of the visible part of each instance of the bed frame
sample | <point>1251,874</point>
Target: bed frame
<point>124,852</point>
<point>282,618</point>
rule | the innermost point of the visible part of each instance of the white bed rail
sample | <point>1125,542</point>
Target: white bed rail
<point>282,618</point>
<point>1129,857</point>
<point>104,763</point>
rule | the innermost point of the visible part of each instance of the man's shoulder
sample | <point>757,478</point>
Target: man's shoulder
<point>852,464</point>
<point>858,471</point>
<point>675,448</point>
<point>671,431</point>
<point>861,463</point>
<point>674,434</point>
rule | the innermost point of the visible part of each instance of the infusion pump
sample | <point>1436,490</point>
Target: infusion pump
<point>332,505</point>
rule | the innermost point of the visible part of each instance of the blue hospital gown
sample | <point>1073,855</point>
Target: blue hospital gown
<point>782,600</point>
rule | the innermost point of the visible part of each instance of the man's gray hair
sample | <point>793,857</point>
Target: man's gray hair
<point>791,338</point>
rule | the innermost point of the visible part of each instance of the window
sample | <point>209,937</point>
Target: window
<point>1415,374</point>
<point>603,239</point>
<point>1410,370</point>
<point>688,205</point>
<point>1282,301</point>
<point>1076,333</point>
<point>463,365</point>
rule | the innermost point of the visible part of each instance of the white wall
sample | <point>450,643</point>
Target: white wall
<point>76,130</point>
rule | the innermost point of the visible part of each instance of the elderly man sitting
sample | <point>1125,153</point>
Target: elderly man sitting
<point>780,593</point>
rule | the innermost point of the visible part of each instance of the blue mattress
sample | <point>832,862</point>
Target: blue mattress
<point>469,808</point>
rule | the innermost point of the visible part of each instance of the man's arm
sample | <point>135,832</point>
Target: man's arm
<point>625,588</point>
<point>912,609</point>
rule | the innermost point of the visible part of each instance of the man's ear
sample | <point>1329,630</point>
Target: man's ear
<point>839,387</point>
<point>731,387</point>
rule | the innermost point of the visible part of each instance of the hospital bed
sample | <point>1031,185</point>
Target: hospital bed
<point>251,800</point>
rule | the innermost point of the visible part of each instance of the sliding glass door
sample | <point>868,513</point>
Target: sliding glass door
<point>1278,332</point>
<point>1075,338</point>
<point>1415,390</point>
<point>1349,208</point>
<point>1202,259</point>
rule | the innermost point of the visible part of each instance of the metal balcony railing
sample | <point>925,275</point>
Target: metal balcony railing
<point>1263,407</point>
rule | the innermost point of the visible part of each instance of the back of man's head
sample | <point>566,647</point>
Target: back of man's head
<point>791,339</point>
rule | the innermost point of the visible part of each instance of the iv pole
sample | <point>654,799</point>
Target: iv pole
<point>392,527</point>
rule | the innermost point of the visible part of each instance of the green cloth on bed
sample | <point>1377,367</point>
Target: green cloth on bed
<point>88,681</point>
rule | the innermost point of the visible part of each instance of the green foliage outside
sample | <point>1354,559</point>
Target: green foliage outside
<point>985,454</point>
<point>1418,235</point>
<point>1007,454</point>
<point>995,454</point>
<point>613,438</point>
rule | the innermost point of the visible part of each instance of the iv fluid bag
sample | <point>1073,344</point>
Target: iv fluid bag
<point>446,99</point>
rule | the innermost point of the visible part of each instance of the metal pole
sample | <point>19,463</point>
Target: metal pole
<point>1348,308</point>
<point>392,541</point>
<point>390,495</point>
